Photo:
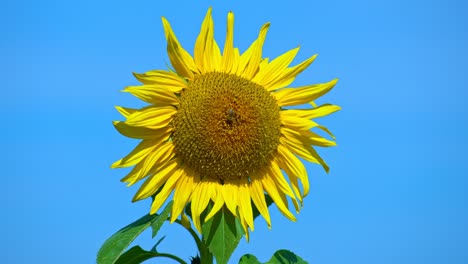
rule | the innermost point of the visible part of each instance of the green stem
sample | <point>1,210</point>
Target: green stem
<point>181,261</point>
<point>205,255</point>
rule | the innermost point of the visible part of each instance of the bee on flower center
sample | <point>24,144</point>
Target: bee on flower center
<point>231,117</point>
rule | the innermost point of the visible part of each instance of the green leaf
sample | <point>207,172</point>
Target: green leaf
<point>135,255</point>
<point>285,257</point>
<point>222,234</point>
<point>153,249</point>
<point>280,257</point>
<point>118,242</point>
<point>249,259</point>
<point>158,222</point>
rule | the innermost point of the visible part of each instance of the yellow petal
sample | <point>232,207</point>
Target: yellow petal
<point>182,194</point>
<point>297,191</point>
<point>317,112</point>
<point>133,174</point>
<point>215,58</point>
<point>270,187</point>
<point>311,150</point>
<point>263,64</point>
<point>293,167</point>
<point>293,179</point>
<point>152,117</point>
<point>153,94</point>
<point>244,59</point>
<point>273,69</point>
<point>202,40</point>
<point>256,56</point>
<point>180,58</point>
<point>218,202</point>
<point>154,161</point>
<point>138,154</point>
<point>229,193</point>
<point>200,199</point>
<point>160,78</point>
<point>275,173</point>
<point>125,111</point>
<point>258,197</point>
<point>301,148</point>
<point>139,132</point>
<point>166,191</point>
<point>236,61</point>
<point>285,201</point>
<point>304,94</point>
<point>288,75</point>
<point>212,54</point>
<point>298,120</point>
<point>308,137</point>
<point>245,207</point>
<point>317,140</point>
<point>228,53</point>
<point>153,183</point>
<point>290,120</point>
<point>244,225</point>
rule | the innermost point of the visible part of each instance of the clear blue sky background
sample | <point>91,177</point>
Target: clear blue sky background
<point>396,192</point>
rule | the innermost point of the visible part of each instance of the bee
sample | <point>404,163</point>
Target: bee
<point>231,116</point>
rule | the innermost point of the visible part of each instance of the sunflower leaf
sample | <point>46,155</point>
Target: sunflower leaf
<point>285,256</point>
<point>159,221</point>
<point>280,257</point>
<point>114,246</point>
<point>222,234</point>
<point>153,249</point>
<point>249,259</point>
<point>135,255</point>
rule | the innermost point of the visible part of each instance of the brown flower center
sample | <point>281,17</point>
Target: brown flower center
<point>226,127</point>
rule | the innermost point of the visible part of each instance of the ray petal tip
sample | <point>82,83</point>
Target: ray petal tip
<point>334,82</point>
<point>116,164</point>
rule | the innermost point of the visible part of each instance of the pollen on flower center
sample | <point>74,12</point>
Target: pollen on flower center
<point>226,127</point>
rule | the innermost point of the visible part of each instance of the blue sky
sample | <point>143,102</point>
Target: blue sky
<point>396,192</point>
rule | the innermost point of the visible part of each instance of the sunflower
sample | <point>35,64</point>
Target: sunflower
<point>216,129</point>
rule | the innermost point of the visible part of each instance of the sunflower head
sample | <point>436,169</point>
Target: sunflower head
<point>217,129</point>
<point>226,126</point>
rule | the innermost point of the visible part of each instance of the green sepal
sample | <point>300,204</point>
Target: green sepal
<point>214,239</point>
<point>222,234</point>
<point>158,222</point>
